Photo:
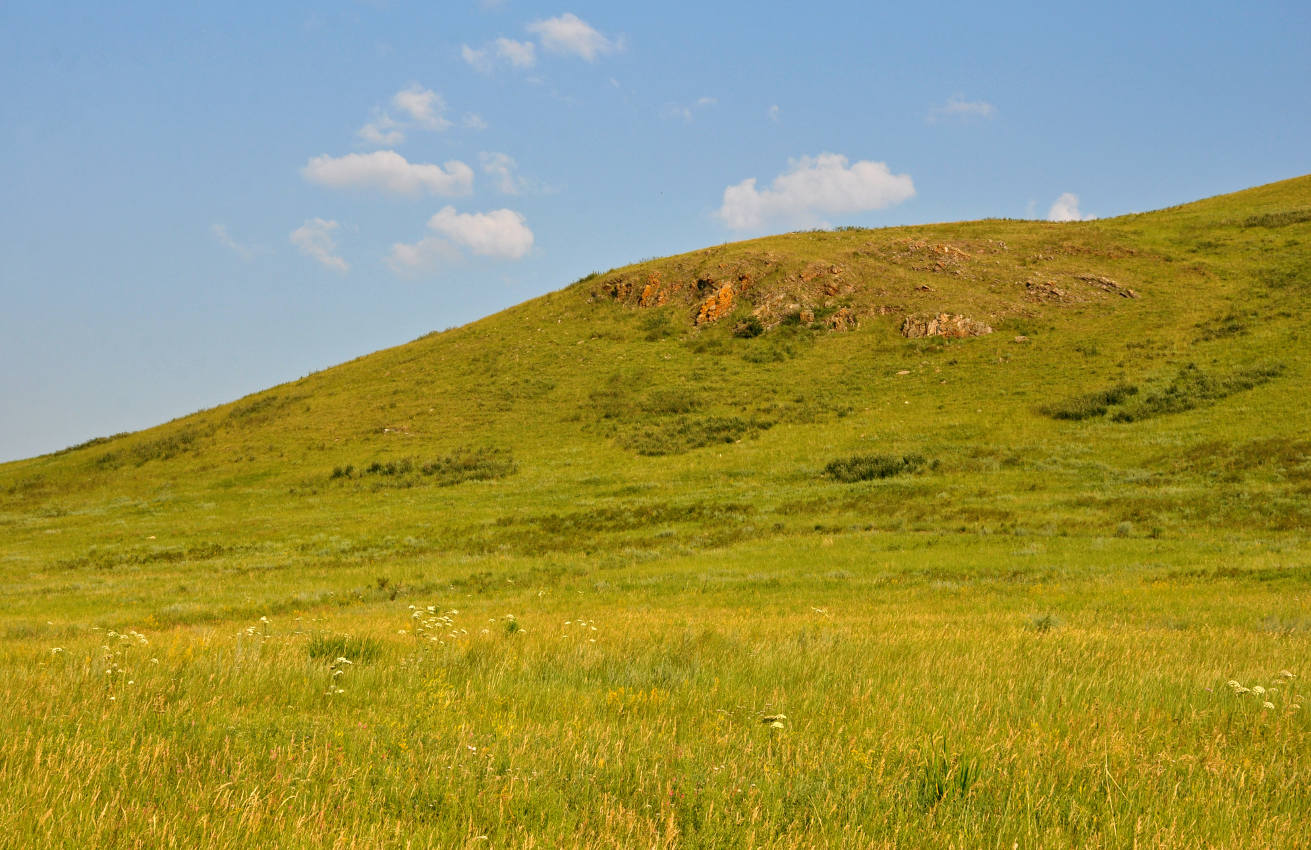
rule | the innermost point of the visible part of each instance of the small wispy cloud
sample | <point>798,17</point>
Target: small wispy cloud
<point>813,187</point>
<point>478,59</point>
<point>1066,208</point>
<point>500,234</point>
<point>473,121</point>
<point>418,107</point>
<point>388,171</point>
<point>502,168</point>
<point>958,108</point>
<point>382,131</point>
<point>570,35</point>
<point>314,240</point>
<point>220,233</point>
<point>521,55</point>
<point>424,106</point>
<point>773,113</point>
<point>687,112</point>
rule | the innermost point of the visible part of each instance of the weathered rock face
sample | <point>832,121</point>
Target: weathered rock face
<point>954,327</point>
<point>717,306</point>
<point>843,320</point>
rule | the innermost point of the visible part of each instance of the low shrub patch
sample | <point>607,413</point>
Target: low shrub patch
<point>869,467</point>
<point>461,465</point>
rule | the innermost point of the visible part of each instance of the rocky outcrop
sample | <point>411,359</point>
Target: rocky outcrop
<point>1107,285</point>
<point>717,306</point>
<point>843,320</point>
<point>943,324</point>
<point>1044,290</point>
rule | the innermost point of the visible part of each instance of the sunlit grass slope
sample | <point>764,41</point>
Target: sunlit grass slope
<point>996,583</point>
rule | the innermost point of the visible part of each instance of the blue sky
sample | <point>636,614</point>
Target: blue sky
<point>203,201</point>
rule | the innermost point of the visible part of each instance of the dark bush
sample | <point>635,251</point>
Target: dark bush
<point>869,467</point>
<point>1191,388</point>
<point>461,465</point>
<point>749,327</point>
<point>1090,405</point>
<point>1279,219</point>
<point>684,433</point>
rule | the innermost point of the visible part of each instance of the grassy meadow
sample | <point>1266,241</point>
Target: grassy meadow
<point>644,564</point>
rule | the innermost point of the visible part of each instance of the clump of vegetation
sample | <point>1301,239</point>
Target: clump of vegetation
<point>1044,623</point>
<point>94,441</point>
<point>869,467</point>
<point>1090,405</point>
<point>1230,324</point>
<point>463,464</point>
<point>1279,219</point>
<point>685,433</point>
<point>166,447</point>
<point>943,776</point>
<point>749,327</point>
<point>1191,388</point>
<point>331,647</point>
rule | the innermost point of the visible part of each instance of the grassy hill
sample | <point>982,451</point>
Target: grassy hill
<point>847,475</point>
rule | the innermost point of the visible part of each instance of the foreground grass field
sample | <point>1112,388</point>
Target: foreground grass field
<point>612,569</point>
<point>972,692</point>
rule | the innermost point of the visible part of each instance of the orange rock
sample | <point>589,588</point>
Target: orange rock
<point>717,306</point>
<point>842,320</point>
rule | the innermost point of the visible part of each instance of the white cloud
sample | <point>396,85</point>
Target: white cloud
<point>570,34</point>
<point>473,121</point>
<point>520,54</point>
<point>424,106</point>
<point>383,131</point>
<point>502,234</point>
<point>958,107</point>
<point>1066,208</point>
<point>499,233</point>
<point>516,54</point>
<point>813,187</point>
<point>389,172</point>
<point>424,255</point>
<point>220,232</point>
<point>314,239</point>
<point>421,107</point>
<point>773,112</point>
<point>502,167</point>
<point>479,60</point>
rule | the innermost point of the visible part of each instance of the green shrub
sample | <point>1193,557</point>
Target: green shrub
<point>943,776</point>
<point>1191,388</point>
<point>463,464</point>
<point>1090,405</point>
<point>684,433</point>
<point>869,467</point>
<point>1279,219</point>
<point>749,327</point>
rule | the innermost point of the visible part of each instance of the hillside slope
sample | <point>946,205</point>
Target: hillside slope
<point>1137,376</point>
<point>968,535</point>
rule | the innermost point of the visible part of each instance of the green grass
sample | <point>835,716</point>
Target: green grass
<point>537,581</point>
